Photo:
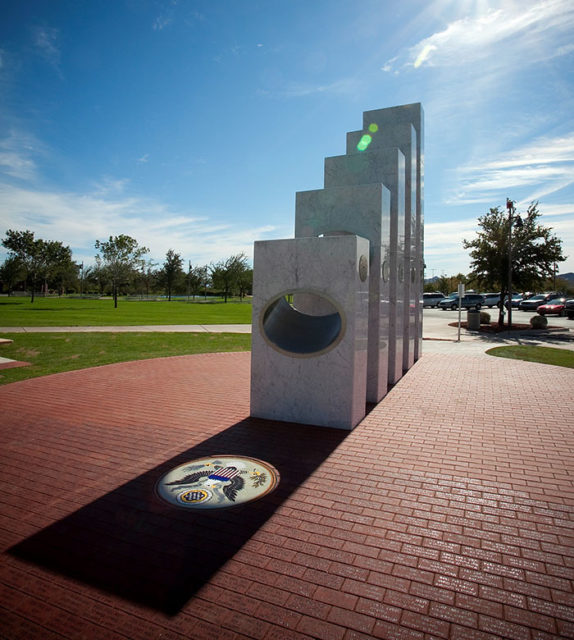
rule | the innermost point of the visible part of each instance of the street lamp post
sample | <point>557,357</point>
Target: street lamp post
<point>512,219</point>
<point>510,208</point>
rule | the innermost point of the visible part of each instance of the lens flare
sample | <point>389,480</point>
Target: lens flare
<point>373,128</point>
<point>364,142</point>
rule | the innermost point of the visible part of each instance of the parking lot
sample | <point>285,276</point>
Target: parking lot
<point>518,317</point>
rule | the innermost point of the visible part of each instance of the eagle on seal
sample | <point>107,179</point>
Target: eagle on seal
<point>227,479</point>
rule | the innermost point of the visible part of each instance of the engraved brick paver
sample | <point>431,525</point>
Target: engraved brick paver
<point>447,513</point>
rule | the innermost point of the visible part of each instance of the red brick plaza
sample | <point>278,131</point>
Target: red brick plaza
<point>447,513</point>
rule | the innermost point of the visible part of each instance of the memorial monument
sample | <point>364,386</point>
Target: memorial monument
<point>337,312</point>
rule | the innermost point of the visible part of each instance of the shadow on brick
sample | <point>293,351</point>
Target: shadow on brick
<point>132,544</point>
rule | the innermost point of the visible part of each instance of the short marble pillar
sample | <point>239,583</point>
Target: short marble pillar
<point>309,361</point>
<point>364,210</point>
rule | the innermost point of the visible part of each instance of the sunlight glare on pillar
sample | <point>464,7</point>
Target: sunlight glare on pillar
<point>364,142</point>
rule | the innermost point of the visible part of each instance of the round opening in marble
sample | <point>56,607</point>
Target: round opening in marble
<point>302,323</point>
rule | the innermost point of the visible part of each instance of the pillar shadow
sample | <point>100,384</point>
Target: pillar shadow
<point>132,544</point>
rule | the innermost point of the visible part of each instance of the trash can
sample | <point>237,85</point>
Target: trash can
<point>473,320</point>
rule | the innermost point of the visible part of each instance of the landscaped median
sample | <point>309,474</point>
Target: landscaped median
<point>543,355</point>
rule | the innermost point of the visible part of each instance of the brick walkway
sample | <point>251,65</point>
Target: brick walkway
<point>446,514</point>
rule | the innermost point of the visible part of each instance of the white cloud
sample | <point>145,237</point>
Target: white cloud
<point>557,210</point>
<point>444,253</point>
<point>544,166</point>
<point>525,34</point>
<point>541,150</point>
<point>17,153</point>
<point>79,220</point>
<point>16,165</point>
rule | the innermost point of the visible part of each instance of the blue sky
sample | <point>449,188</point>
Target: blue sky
<point>191,124</point>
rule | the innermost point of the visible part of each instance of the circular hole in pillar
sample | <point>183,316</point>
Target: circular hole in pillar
<point>302,323</point>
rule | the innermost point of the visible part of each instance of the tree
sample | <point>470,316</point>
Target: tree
<point>40,259</point>
<point>197,279</point>
<point>61,270</point>
<point>445,284</point>
<point>226,274</point>
<point>245,282</point>
<point>11,273</point>
<point>120,257</point>
<point>148,274</point>
<point>171,271</point>
<point>511,242</point>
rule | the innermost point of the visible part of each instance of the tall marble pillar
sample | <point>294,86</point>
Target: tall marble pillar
<point>403,127</point>
<point>383,166</point>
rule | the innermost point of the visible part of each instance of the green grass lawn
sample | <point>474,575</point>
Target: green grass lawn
<point>55,352</point>
<point>64,312</point>
<point>544,355</point>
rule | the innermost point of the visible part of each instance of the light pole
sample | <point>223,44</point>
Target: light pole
<point>554,284</point>
<point>510,207</point>
<point>511,218</point>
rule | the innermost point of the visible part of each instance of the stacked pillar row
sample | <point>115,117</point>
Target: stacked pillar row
<point>337,312</point>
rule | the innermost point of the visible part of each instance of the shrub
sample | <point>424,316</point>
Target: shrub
<point>539,322</point>
<point>484,317</point>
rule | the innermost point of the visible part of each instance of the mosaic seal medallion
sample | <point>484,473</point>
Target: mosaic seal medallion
<point>217,482</point>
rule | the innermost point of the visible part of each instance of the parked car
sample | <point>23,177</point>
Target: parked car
<point>432,299</point>
<point>569,309</point>
<point>491,299</point>
<point>534,302</point>
<point>469,301</point>
<point>515,301</point>
<point>555,306</point>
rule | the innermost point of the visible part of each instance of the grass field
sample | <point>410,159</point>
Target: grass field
<point>56,352</point>
<point>543,355</point>
<point>75,312</point>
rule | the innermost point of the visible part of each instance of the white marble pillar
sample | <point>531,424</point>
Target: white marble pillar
<point>384,166</point>
<point>404,137</point>
<point>363,210</point>
<point>387,120</point>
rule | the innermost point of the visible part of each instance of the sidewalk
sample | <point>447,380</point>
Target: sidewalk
<point>175,328</point>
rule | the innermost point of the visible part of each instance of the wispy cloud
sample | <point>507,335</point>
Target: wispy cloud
<point>344,86</point>
<point>79,219</point>
<point>443,245</point>
<point>46,41</point>
<point>161,22</point>
<point>18,153</point>
<point>526,34</point>
<point>544,166</point>
<point>444,252</point>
